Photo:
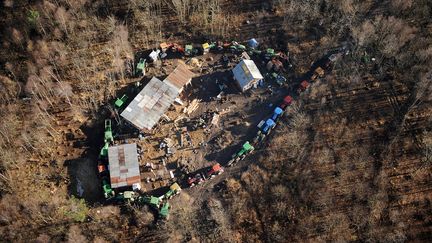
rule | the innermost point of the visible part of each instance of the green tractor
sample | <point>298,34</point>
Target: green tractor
<point>237,48</point>
<point>254,52</point>
<point>164,211</point>
<point>150,200</point>
<point>128,196</point>
<point>120,101</point>
<point>278,78</point>
<point>246,149</point>
<point>108,132</point>
<point>174,190</point>
<point>108,191</point>
<point>108,138</point>
<point>140,69</point>
<point>269,53</point>
<point>104,150</point>
<point>190,51</point>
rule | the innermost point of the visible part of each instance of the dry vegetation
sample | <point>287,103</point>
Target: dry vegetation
<point>352,161</point>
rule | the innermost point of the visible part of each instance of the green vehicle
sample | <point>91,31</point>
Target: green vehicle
<point>269,53</point>
<point>246,149</point>
<point>279,79</point>
<point>188,50</point>
<point>108,191</point>
<point>254,52</point>
<point>108,132</point>
<point>129,196</point>
<point>237,48</point>
<point>104,150</point>
<point>151,200</point>
<point>120,101</point>
<point>140,69</point>
<point>164,211</point>
<point>174,190</point>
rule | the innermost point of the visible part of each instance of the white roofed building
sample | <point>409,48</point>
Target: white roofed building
<point>247,75</point>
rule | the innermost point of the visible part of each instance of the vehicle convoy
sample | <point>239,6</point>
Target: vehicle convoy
<point>265,127</point>
<point>246,149</point>
<point>211,172</point>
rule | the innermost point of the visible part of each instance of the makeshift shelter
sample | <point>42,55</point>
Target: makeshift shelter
<point>146,109</point>
<point>179,78</point>
<point>123,166</point>
<point>150,104</point>
<point>247,75</point>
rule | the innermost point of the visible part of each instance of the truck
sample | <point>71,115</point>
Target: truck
<point>214,170</point>
<point>102,170</point>
<point>195,180</point>
<point>246,149</point>
<point>286,102</point>
<point>265,127</point>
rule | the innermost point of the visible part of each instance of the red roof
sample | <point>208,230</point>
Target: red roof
<point>180,77</point>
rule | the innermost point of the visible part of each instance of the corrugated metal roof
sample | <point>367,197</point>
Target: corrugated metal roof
<point>245,72</point>
<point>123,165</point>
<point>180,77</point>
<point>150,104</point>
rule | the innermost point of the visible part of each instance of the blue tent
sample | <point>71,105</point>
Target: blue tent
<point>253,43</point>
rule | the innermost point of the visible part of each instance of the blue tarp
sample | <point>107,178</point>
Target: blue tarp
<point>253,43</point>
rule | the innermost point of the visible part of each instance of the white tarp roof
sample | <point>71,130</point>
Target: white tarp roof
<point>246,71</point>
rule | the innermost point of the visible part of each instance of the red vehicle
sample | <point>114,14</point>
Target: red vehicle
<point>303,86</point>
<point>196,180</point>
<point>215,170</point>
<point>286,102</point>
<point>102,169</point>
